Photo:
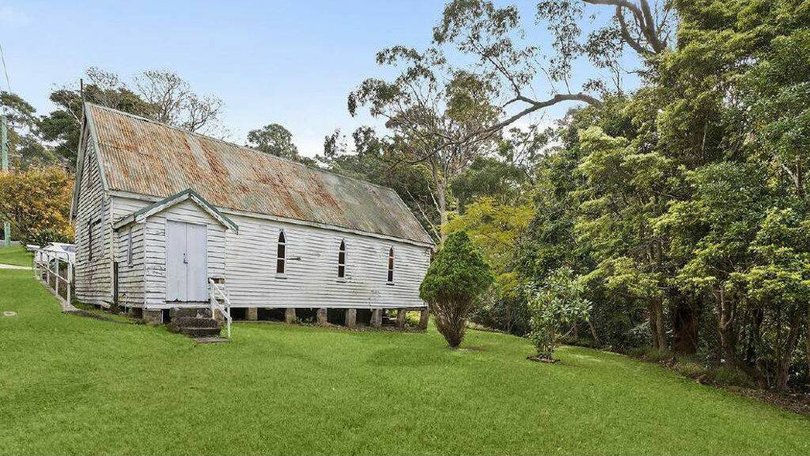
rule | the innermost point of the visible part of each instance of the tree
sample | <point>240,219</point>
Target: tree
<point>556,303</point>
<point>103,88</point>
<point>172,101</point>
<point>25,147</point>
<point>496,229</point>
<point>621,197</point>
<point>493,38</point>
<point>455,278</point>
<point>37,202</point>
<point>487,177</point>
<point>778,287</point>
<point>161,95</point>
<point>430,108</point>
<point>276,140</point>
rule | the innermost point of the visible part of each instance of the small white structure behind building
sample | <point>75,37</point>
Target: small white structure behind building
<point>159,212</point>
<point>63,251</point>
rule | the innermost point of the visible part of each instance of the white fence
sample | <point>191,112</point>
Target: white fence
<point>55,271</point>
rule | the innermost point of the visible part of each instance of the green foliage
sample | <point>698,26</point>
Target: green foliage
<point>25,146</point>
<point>455,279</point>
<point>496,230</point>
<point>487,177</point>
<point>555,304</point>
<point>37,202</point>
<point>276,140</point>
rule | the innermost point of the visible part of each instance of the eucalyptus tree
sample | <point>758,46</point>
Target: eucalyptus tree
<point>433,111</point>
<point>174,102</point>
<point>526,77</point>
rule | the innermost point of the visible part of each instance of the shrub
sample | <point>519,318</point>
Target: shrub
<point>732,376</point>
<point>455,279</point>
<point>556,303</point>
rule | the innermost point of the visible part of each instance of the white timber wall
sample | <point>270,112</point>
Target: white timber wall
<point>130,274</point>
<point>310,279</point>
<point>93,274</point>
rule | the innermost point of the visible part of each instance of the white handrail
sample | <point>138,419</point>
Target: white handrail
<point>56,273</point>
<point>216,306</point>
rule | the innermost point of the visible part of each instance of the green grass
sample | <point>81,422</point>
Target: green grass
<point>73,385</point>
<point>15,255</point>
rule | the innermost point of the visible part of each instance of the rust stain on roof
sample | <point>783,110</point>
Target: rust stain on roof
<point>145,157</point>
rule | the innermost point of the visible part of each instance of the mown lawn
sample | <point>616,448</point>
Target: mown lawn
<point>15,255</point>
<point>73,385</point>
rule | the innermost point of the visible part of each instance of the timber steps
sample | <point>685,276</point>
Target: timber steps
<point>195,327</point>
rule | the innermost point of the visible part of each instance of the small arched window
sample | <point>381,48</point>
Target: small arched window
<point>391,265</point>
<point>342,260</point>
<point>281,257</point>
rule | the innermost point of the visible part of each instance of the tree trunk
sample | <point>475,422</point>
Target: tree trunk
<point>807,338</point>
<point>685,326</point>
<point>786,352</point>
<point>725,327</point>
<point>440,180</point>
<point>593,333</point>
<point>657,324</point>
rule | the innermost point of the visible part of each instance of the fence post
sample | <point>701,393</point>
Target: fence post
<point>69,280</point>
<point>58,278</point>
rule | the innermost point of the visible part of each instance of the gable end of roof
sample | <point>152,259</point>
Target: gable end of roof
<point>144,213</point>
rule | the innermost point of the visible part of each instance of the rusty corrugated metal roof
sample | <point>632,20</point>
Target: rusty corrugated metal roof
<point>145,157</point>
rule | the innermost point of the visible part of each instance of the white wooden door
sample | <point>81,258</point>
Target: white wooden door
<point>186,262</point>
<point>197,264</point>
<point>175,261</point>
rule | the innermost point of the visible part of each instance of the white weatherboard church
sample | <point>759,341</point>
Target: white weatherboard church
<point>161,213</point>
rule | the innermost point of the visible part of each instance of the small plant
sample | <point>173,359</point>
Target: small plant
<point>455,279</point>
<point>555,304</point>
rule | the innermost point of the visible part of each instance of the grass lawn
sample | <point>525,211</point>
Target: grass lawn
<point>73,385</point>
<point>15,255</point>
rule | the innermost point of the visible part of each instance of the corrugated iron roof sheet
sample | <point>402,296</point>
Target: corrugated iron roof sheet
<point>145,157</point>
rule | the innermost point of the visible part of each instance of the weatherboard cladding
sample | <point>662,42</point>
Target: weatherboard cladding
<point>145,157</point>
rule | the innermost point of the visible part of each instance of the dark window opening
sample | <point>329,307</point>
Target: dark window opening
<point>281,254</point>
<point>391,265</point>
<point>129,248</point>
<point>342,260</point>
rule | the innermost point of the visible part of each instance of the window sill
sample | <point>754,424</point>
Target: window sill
<point>281,276</point>
<point>390,283</point>
<point>341,280</point>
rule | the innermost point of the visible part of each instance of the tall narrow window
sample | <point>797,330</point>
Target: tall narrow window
<point>391,265</point>
<point>342,260</point>
<point>282,253</point>
<point>129,248</point>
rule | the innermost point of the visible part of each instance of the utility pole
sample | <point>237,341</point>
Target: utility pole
<point>4,145</point>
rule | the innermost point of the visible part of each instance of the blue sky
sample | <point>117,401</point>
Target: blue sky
<point>290,62</point>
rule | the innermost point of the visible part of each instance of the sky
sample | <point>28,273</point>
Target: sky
<point>287,62</point>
